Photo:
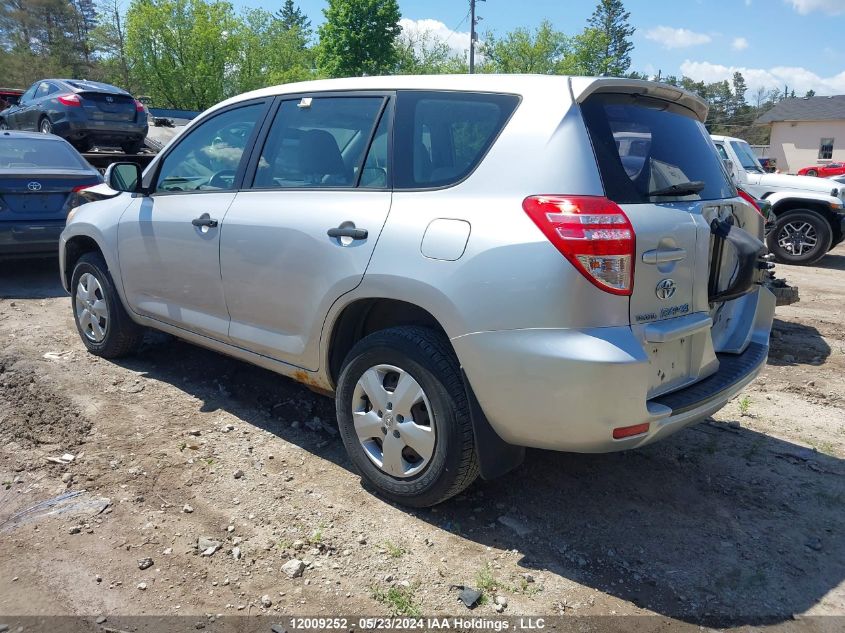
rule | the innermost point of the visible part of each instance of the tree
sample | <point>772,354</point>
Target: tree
<point>358,38</point>
<point>108,39</point>
<point>542,50</point>
<point>182,50</point>
<point>587,53</point>
<point>293,19</point>
<point>810,94</point>
<point>611,19</point>
<point>423,53</point>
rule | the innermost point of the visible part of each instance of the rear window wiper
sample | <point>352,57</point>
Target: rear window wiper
<point>680,189</point>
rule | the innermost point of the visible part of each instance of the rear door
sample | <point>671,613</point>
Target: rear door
<point>302,231</point>
<point>658,165</point>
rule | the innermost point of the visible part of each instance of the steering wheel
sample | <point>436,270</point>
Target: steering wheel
<point>218,180</point>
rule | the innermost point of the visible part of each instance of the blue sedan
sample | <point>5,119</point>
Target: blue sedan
<point>39,178</point>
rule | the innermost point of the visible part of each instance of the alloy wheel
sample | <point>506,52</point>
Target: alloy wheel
<point>92,311</point>
<point>797,237</point>
<point>394,421</point>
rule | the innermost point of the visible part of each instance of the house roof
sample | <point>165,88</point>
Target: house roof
<point>806,109</point>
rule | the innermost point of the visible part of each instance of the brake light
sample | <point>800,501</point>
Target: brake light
<point>593,233</point>
<point>70,99</point>
<point>750,200</point>
<point>80,188</point>
<point>139,107</point>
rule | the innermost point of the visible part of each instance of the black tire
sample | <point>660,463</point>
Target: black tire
<point>83,145</point>
<point>812,172</point>
<point>799,217</point>
<point>45,125</point>
<point>428,357</point>
<point>122,335</point>
<point>4,125</point>
<point>132,148</point>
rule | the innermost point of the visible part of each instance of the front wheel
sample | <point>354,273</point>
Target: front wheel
<point>812,172</point>
<point>46,126</point>
<point>404,418</point>
<point>102,322</point>
<point>800,237</point>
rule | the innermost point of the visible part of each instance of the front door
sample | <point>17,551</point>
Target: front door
<point>169,241</point>
<point>322,168</point>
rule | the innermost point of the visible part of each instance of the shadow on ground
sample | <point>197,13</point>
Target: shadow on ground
<point>831,262</point>
<point>794,342</point>
<point>718,524</point>
<point>30,279</point>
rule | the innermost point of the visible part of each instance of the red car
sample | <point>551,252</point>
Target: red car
<point>823,171</point>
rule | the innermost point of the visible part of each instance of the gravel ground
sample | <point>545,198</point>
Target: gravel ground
<point>180,481</point>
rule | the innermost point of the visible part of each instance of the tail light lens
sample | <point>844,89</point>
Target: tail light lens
<point>81,187</point>
<point>593,233</point>
<point>70,99</point>
<point>139,107</point>
<point>750,200</point>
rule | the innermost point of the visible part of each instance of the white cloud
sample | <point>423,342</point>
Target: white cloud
<point>795,77</point>
<point>739,44</point>
<point>670,37</point>
<point>831,7</point>
<point>458,41</point>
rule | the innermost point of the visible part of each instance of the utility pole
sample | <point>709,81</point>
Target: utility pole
<point>473,36</point>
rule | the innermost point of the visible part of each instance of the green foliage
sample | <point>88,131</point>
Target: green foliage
<point>399,600</point>
<point>359,38</point>
<point>295,22</point>
<point>424,54</point>
<point>542,51</point>
<point>614,55</point>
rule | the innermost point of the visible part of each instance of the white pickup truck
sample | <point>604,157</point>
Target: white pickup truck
<point>809,216</point>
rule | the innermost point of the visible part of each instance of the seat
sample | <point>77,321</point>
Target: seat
<point>320,160</point>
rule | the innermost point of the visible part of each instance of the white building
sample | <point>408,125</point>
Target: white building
<point>806,132</point>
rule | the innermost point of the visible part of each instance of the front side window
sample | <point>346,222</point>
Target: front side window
<point>29,94</point>
<point>826,149</point>
<point>318,142</point>
<point>747,158</point>
<point>647,148</point>
<point>443,136</point>
<point>207,159</point>
<point>722,153</point>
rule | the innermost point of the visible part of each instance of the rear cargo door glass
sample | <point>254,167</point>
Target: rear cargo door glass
<point>657,162</point>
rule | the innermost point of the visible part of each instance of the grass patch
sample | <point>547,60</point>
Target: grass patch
<point>400,600</point>
<point>744,405</point>
<point>393,550</point>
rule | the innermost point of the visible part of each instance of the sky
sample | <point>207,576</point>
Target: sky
<point>773,43</point>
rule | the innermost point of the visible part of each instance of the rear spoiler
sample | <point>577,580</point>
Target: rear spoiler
<point>583,87</point>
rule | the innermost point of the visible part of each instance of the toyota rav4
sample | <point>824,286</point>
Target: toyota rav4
<point>471,265</point>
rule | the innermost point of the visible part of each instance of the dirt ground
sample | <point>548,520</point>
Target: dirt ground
<point>739,517</point>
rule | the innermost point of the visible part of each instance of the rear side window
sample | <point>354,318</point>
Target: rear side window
<point>442,136</point>
<point>643,145</point>
<point>43,154</point>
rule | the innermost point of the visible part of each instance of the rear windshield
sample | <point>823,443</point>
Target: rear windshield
<point>643,145</point>
<point>442,136</point>
<point>17,153</point>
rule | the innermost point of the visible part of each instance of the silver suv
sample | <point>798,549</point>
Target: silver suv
<point>470,264</point>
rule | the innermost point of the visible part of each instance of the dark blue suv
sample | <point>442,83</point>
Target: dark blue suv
<point>86,113</point>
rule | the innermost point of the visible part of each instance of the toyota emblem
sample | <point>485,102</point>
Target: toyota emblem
<point>665,289</point>
<point>34,186</point>
<point>109,99</point>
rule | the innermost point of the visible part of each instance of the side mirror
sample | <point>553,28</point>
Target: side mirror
<point>124,177</point>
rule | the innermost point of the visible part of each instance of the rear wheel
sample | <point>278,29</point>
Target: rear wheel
<point>101,320</point>
<point>404,417</point>
<point>800,237</point>
<point>45,126</point>
<point>132,148</point>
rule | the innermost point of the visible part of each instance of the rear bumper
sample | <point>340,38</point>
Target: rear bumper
<point>100,130</point>
<point>568,389</point>
<point>25,239</point>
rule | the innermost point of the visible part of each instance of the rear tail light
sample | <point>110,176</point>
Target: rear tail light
<point>139,107</point>
<point>80,188</point>
<point>593,233</point>
<point>750,200</point>
<point>70,99</point>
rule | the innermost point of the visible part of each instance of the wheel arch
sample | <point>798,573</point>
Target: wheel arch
<point>782,207</point>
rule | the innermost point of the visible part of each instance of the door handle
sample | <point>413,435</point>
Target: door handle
<point>204,220</point>
<point>355,234</point>
<point>664,256</point>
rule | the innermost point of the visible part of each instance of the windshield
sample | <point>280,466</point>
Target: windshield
<point>650,150</point>
<point>17,153</point>
<point>746,157</point>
